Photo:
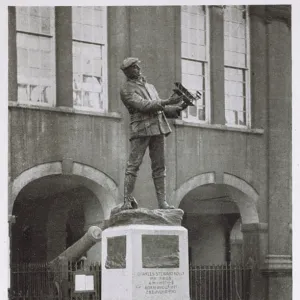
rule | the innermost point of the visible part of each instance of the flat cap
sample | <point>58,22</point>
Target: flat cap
<point>128,62</point>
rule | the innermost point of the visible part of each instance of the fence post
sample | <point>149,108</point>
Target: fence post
<point>64,282</point>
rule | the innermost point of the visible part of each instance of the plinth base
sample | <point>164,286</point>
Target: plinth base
<point>145,262</point>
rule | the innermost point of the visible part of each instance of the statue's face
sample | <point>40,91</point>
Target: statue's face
<point>133,72</point>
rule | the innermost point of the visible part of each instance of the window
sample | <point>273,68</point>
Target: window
<point>89,58</point>
<point>35,55</point>
<point>194,60</point>
<point>236,60</point>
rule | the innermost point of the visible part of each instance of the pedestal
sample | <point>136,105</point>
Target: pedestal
<point>145,262</point>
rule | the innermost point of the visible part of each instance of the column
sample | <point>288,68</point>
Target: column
<point>279,130</point>
<point>152,39</point>
<point>255,243</point>
<point>118,48</point>
<point>12,55</point>
<point>118,19</point>
<point>278,263</point>
<point>64,67</point>
<point>217,64</point>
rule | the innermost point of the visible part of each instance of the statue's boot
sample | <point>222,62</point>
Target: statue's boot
<point>129,201</point>
<point>160,187</point>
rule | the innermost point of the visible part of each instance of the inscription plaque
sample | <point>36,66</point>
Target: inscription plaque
<point>160,283</point>
<point>160,251</point>
<point>116,252</point>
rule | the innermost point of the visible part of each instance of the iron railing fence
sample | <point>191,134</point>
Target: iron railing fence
<point>40,282</point>
<point>220,282</point>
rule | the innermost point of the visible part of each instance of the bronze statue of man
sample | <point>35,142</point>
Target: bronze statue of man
<point>148,128</point>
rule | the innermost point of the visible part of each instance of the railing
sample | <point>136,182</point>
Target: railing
<point>40,282</point>
<point>220,282</point>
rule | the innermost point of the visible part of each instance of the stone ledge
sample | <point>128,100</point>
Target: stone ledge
<point>69,110</point>
<point>277,265</point>
<point>144,216</point>
<point>218,127</point>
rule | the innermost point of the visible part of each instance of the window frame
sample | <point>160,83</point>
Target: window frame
<point>104,64</point>
<point>52,38</point>
<point>206,67</point>
<point>247,72</point>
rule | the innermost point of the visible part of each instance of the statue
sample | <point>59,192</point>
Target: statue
<point>148,129</point>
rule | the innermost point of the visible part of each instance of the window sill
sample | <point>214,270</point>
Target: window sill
<point>179,123</point>
<point>69,110</point>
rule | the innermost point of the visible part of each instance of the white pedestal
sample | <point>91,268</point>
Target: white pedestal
<point>145,262</point>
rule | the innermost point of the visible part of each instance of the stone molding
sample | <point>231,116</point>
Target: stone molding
<point>277,265</point>
<point>255,227</point>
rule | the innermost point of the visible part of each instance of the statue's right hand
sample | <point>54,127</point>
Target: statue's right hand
<point>174,99</point>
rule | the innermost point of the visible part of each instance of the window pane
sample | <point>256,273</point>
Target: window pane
<point>22,92</point>
<point>87,15</point>
<point>231,117</point>
<point>235,96</point>
<point>98,18</point>
<point>87,33</point>
<point>89,24</point>
<point>35,19</point>
<point>194,57</point>
<point>193,32</point>
<point>22,22</point>
<point>193,111</point>
<point>34,11</point>
<point>46,60</point>
<point>201,114</point>
<point>22,57</point>
<point>45,12</point>
<point>235,36</point>
<point>242,118</point>
<point>76,14</point>
<point>46,25</point>
<point>35,68</point>
<point>87,79</point>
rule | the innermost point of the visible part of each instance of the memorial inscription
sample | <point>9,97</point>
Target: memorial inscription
<point>158,283</point>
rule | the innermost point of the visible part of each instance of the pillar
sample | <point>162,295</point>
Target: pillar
<point>217,64</point>
<point>271,107</point>
<point>64,59</point>
<point>254,250</point>
<point>12,55</point>
<point>118,49</point>
<point>278,263</point>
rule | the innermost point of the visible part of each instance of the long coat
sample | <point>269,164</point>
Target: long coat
<point>147,115</point>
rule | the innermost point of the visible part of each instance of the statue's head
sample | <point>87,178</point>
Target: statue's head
<point>131,68</point>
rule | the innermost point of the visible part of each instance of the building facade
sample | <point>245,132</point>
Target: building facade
<point>228,158</point>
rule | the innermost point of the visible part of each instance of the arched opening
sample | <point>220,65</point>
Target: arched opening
<point>213,216</point>
<point>53,212</point>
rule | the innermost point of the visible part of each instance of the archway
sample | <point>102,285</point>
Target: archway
<point>94,179</point>
<point>211,211</point>
<point>242,193</point>
<point>54,210</point>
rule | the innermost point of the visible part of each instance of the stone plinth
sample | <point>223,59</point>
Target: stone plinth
<point>145,262</point>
